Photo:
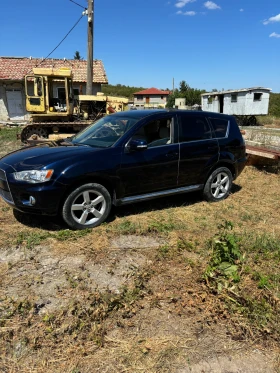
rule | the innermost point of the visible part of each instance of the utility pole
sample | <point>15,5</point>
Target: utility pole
<point>90,13</point>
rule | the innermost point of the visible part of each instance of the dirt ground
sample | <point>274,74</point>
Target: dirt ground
<point>132,295</point>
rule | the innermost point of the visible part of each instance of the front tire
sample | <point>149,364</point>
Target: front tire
<point>218,185</point>
<point>87,206</point>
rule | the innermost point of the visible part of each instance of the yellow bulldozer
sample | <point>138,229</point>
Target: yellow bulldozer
<point>67,114</point>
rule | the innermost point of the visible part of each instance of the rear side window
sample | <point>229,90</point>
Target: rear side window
<point>220,126</point>
<point>193,128</point>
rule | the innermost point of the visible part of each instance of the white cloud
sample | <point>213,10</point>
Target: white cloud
<point>182,3</point>
<point>212,6</point>
<point>274,35</point>
<point>272,20</point>
<point>190,13</point>
<point>241,10</point>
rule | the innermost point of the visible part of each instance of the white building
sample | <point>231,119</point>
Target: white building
<point>247,101</point>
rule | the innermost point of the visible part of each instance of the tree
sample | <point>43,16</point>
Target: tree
<point>192,95</point>
<point>77,56</point>
<point>171,98</point>
<point>183,86</point>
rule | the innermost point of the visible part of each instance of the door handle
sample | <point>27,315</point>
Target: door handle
<point>214,147</point>
<point>172,155</point>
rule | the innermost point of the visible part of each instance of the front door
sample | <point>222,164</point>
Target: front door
<point>35,94</point>
<point>155,168</point>
<point>15,106</point>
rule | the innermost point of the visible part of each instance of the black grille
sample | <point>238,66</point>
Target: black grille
<point>4,187</point>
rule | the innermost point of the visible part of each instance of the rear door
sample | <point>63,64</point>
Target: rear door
<point>199,151</point>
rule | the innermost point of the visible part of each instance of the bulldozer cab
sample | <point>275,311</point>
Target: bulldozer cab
<point>49,93</point>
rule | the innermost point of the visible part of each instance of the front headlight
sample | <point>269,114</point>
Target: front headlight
<point>34,176</point>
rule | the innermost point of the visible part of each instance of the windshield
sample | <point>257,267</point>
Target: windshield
<point>105,132</point>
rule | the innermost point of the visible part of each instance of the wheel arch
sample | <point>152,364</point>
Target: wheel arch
<point>109,184</point>
<point>228,165</point>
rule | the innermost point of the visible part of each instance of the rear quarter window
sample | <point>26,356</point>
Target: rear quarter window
<point>220,126</point>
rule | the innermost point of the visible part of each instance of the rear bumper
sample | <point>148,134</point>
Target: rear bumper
<point>240,165</point>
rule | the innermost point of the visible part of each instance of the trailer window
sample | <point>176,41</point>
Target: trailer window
<point>220,126</point>
<point>234,98</point>
<point>257,96</point>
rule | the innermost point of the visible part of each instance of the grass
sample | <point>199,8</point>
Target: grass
<point>193,278</point>
<point>8,140</point>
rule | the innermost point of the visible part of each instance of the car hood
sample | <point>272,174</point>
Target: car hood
<point>40,156</point>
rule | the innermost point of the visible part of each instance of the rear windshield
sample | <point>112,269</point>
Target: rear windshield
<point>220,126</point>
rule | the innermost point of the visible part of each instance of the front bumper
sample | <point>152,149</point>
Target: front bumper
<point>42,199</point>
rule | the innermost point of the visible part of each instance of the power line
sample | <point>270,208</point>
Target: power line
<point>64,38</point>
<point>44,59</point>
<point>78,4</point>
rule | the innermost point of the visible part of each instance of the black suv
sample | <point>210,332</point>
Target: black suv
<point>124,158</point>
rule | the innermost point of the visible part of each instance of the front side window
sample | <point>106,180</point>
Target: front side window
<point>156,133</point>
<point>193,128</point>
<point>220,126</point>
<point>34,86</point>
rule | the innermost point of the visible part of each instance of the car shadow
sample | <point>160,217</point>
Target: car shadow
<point>56,223</point>
<point>162,203</point>
<point>49,223</point>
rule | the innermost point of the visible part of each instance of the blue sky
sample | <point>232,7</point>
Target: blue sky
<point>222,44</point>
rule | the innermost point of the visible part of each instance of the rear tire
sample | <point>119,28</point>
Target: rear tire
<point>87,206</point>
<point>218,185</point>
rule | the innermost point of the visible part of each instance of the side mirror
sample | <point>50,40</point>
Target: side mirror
<point>137,144</point>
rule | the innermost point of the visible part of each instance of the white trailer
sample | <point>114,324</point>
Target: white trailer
<point>245,103</point>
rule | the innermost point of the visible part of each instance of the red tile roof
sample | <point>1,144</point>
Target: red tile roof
<point>15,68</point>
<point>152,91</point>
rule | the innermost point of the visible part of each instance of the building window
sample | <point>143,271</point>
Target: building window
<point>257,96</point>
<point>234,97</point>
<point>139,98</point>
<point>61,94</point>
<point>161,97</point>
<point>76,92</point>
